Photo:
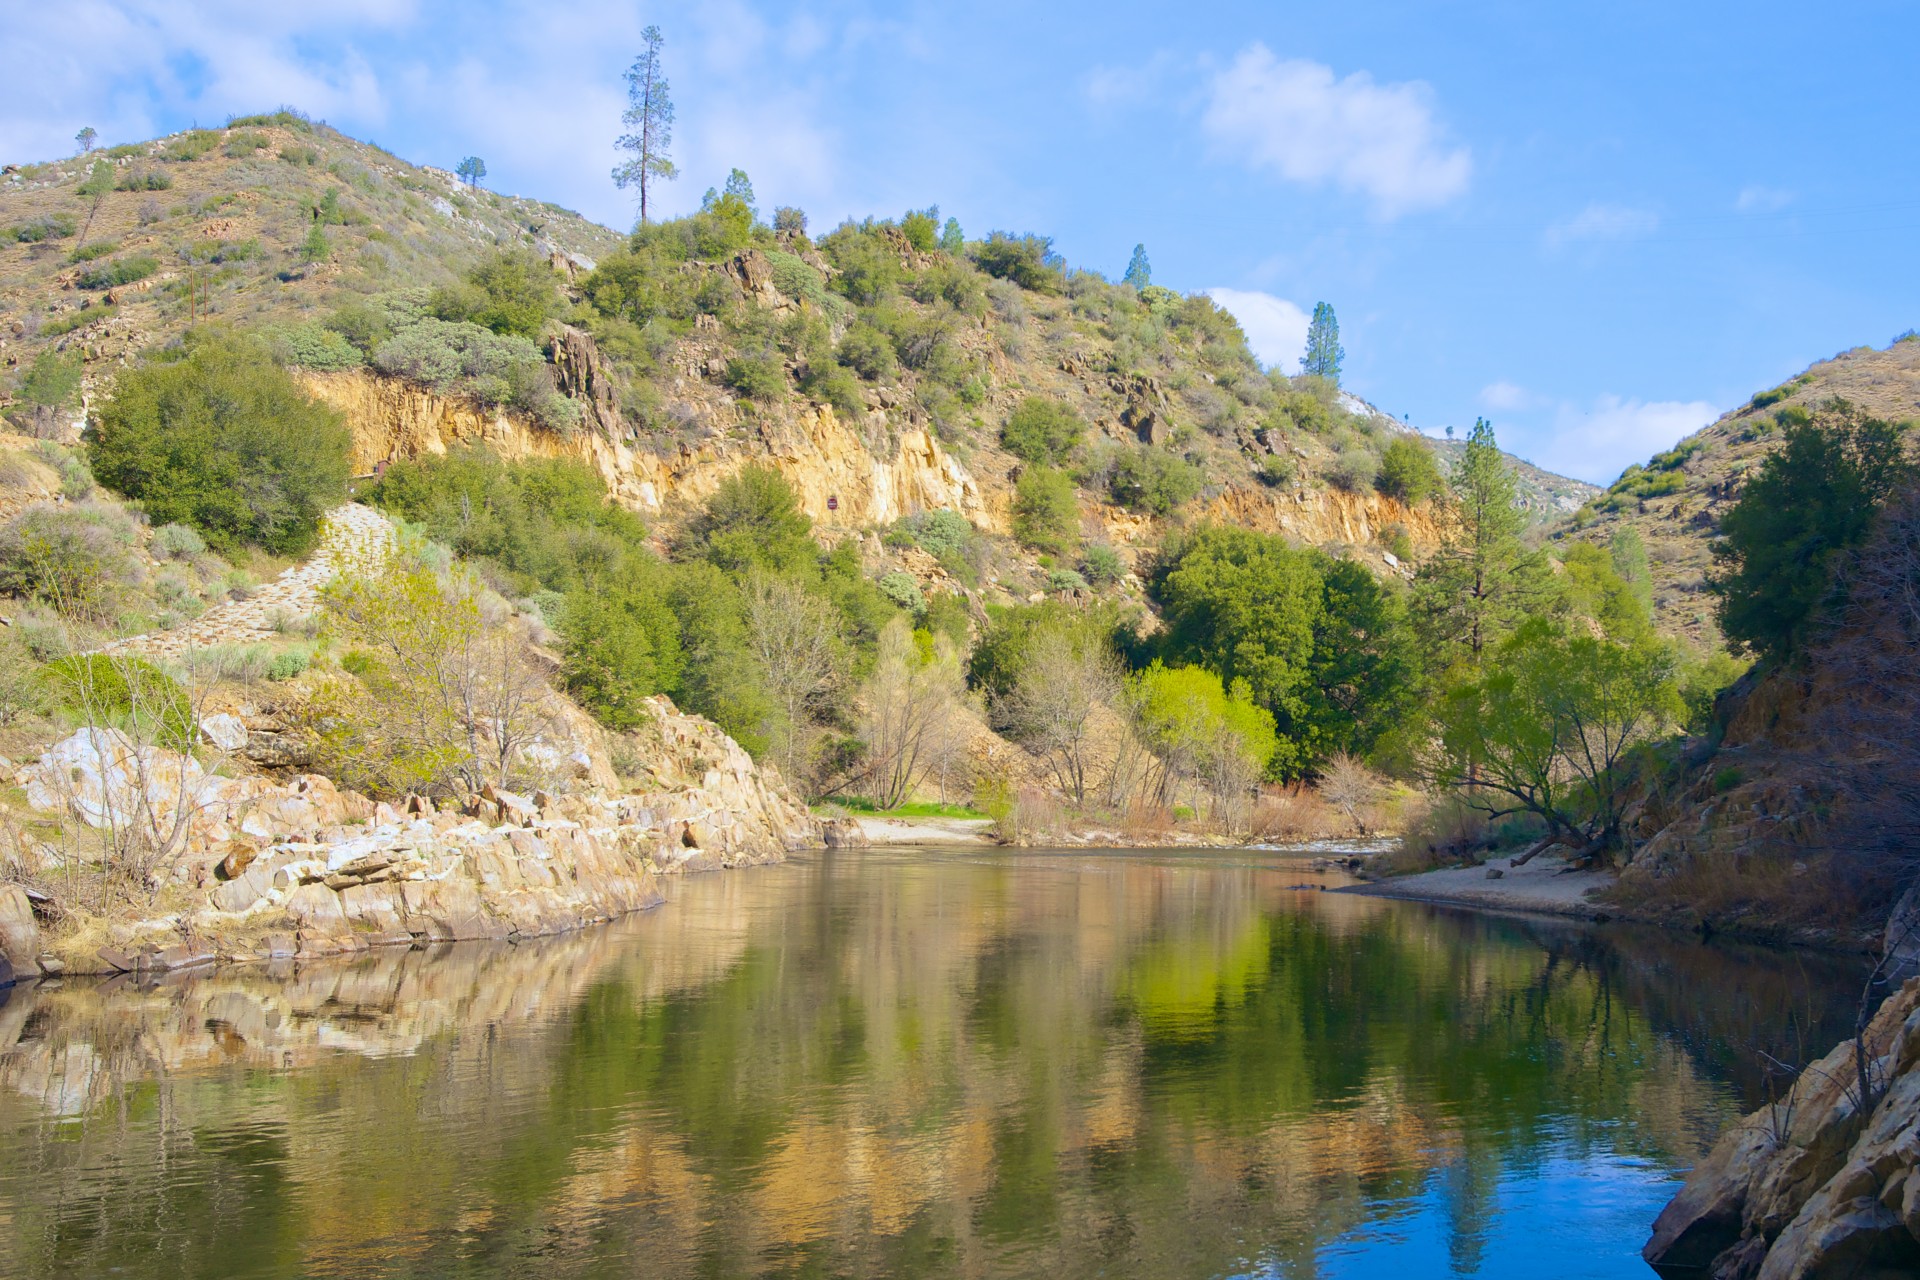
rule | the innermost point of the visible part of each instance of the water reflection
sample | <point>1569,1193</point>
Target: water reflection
<point>897,1064</point>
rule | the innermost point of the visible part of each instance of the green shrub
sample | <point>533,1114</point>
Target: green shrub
<point>1153,480</point>
<point>299,156</point>
<point>311,345</point>
<point>758,375</point>
<point>470,360</point>
<point>921,227</point>
<point>53,379</point>
<point>511,292</point>
<point>144,180</point>
<point>105,689</point>
<point>867,351</point>
<point>77,559</point>
<point>222,439</point>
<point>1408,471</point>
<point>88,252</point>
<point>191,145</point>
<point>1064,580</point>
<point>122,271</point>
<point>285,666</point>
<point>98,181</point>
<point>1727,779</point>
<point>48,226</point>
<point>903,590</point>
<point>1276,469</point>
<point>178,542</point>
<point>1043,430</point>
<point>1102,565</point>
<point>284,118</point>
<point>242,145</point>
<point>1046,513</point>
<point>1353,469</point>
<point>1028,261</point>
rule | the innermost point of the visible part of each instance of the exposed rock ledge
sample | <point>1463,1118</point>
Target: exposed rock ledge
<point>300,868</point>
<point>1810,1191</point>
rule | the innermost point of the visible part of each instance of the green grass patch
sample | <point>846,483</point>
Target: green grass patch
<point>913,809</point>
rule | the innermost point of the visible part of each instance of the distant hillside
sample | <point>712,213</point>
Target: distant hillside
<point>877,365</point>
<point>1675,501</point>
<point>1547,496</point>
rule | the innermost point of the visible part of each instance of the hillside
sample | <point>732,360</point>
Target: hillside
<point>1675,501</point>
<point>280,224</point>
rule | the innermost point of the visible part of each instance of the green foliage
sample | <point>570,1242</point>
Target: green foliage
<point>1028,261</point>
<point>285,118</point>
<point>1364,686</point>
<point>315,248</point>
<point>1046,512</point>
<point>470,360</point>
<point>1042,430</point>
<point>1102,565</point>
<point>512,292</point>
<point>1276,469</point>
<point>470,170</point>
<point>1484,580</point>
<point>311,345</point>
<point>951,240</point>
<point>118,272</point>
<point>1702,678</point>
<point>222,439</point>
<point>1815,496</point>
<point>1012,631</point>
<point>106,689</point>
<point>867,351</point>
<point>1628,552</point>
<point>1153,479</point>
<point>1139,271</point>
<point>866,258</point>
<point>1244,605</point>
<point>242,145</point>
<point>622,645</point>
<point>1545,727</point>
<point>1593,589</point>
<point>921,227</point>
<point>753,521</point>
<point>1324,353</point>
<point>191,145</point>
<point>643,282</point>
<point>48,226</point>
<point>1408,471</point>
<point>903,590</point>
<point>759,375</point>
<point>1187,714</point>
<point>947,536</point>
<point>538,524</point>
<point>98,249</point>
<point>144,180</point>
<point>53,379</point>
<point>76,558</point>
<point>98,181</point>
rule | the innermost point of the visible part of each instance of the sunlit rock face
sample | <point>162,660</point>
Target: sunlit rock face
<point>1814,1186</point>
<point>260,867</point>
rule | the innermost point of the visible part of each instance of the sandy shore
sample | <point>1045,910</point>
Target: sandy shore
<point>1543,885</point>
<point>926,830</point>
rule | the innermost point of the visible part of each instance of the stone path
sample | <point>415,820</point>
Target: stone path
<point>351,537</point>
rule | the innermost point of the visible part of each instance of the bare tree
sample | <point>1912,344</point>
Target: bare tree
<point>1067,675</point>
<point>1349,786</point>
<point>912,698</point>
<point>793,635</point>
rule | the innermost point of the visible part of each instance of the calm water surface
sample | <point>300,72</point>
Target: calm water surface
<point>1158,1064</point>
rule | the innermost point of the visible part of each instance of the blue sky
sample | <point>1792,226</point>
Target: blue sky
<point>1596,224</point>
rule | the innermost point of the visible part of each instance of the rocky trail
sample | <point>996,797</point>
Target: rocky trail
<point>352,537</point>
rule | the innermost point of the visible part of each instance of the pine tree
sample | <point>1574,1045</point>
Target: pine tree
<point>1324,352</point>
<point>741,187</point>
<point>649,115</point>
<point>1483,582</point>
<point>1139,273</point>
<point>85,139</point>
<point>471,170</point>
<point>315,247</point>
<point>951,241</point>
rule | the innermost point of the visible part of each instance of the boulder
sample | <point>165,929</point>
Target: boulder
<point>844,833</point>
<point>316,910</point>
<point>19,931</point>
<point>224,730</point>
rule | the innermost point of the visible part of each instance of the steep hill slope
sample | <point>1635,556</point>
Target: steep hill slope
<point>1675,501</point>
<point>278,223</point>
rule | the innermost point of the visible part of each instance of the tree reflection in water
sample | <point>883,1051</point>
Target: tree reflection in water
<point>1075,1064</point>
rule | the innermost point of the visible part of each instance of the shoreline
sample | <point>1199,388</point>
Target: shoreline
<point>1542,887</point>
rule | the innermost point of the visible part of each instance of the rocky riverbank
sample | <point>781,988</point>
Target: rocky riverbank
<point>298,868</point>
<point>1815,1187</point>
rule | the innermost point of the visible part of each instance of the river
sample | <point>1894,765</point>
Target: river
<point>908,1063</point>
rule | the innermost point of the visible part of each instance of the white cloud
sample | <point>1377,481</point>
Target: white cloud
<point>1505,397</point>
<point>1761,199</point>
<point>1602,222</point>
<point>1276,329</point>
<point>1122,86</point>
<point>1598,443</point>
<point>1378,140</point>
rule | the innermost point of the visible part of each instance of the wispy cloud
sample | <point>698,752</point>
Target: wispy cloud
<point>1297,119</point>
<point>1598,442</point>
<point>1759,199</point>
<point>1276,329</point>
<point>1599,222</point>
<point>1506,397</point>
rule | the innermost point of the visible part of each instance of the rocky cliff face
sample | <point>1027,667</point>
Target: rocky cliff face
<point>1816,1187</point>
<point>300,868</point>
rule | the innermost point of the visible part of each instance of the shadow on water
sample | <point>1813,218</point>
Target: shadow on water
<point>896,1063</point>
